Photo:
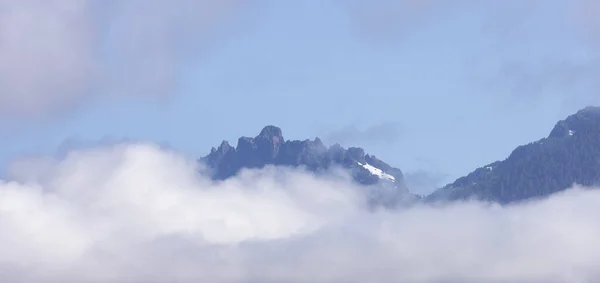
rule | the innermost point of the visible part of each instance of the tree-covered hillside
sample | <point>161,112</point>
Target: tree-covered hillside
<point>569,155</point>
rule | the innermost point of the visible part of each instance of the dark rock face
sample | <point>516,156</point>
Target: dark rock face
<point>270,148</point>
<point>569,155</point>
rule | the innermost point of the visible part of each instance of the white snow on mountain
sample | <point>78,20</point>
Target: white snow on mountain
<point>377,172</point>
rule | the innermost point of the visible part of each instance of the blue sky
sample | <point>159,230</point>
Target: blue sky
<point>442,89</point>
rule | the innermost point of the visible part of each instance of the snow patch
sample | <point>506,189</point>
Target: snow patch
<point>571,132</point>
<point>490,168</point>
<point>377,172</point>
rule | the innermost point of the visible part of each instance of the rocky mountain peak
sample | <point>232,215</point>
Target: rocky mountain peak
<point>271,133</point>
<point>270,148</point>
<point>585,120</point>
<point>357,153</point>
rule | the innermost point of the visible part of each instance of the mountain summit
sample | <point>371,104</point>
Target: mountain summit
<point>270,148</point>
<point>569,155</point>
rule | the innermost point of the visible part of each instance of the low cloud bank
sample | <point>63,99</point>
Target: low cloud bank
<point>136,213</point>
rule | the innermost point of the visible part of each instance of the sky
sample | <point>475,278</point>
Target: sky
<point>433,88</point>
<point>105,107</point>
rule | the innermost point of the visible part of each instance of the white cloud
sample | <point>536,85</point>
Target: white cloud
<point>136,213</point>
<point>56,53</point>
<point>585,14</point>
<point>44,46</point>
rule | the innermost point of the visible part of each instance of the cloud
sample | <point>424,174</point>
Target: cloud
<point>44,45</point>
<point>388,132</point>
<point>55,54</point>
<point>424,182</point>
<point>534,48</point>
<point>133,212</point>
<point>521,80</point>
<point>585,15</point>
<point>384,18</point>
<point>521,49</point>
<point>390,18</point>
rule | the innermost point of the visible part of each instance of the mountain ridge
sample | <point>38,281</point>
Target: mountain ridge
<point>569,155</point>
<point>269,147</point>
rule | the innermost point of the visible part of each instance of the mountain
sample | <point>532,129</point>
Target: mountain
<point>270,148</point>
<point>569,155</point>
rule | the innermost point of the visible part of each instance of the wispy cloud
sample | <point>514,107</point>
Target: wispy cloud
<point>585,14</point>
<point>381,19</point>
<point>516,62</point>
<point>57,53</point>
<point>135,213</point>
<point>388,132</point>
<point>503,40</point>
<point>424,182</point>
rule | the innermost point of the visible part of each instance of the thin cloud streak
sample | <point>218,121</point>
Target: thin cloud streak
<point>388,132</point>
